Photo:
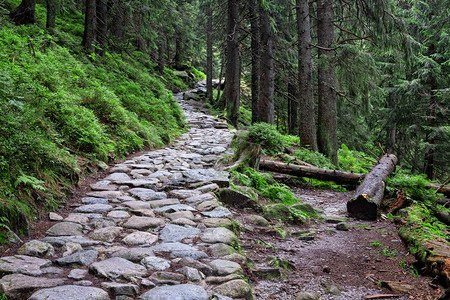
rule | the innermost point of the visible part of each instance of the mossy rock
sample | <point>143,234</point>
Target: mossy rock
<point>306,208</point>
<point>278,212</point>
<point>241,197</point>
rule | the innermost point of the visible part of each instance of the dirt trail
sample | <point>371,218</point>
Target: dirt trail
<point>330,263</point>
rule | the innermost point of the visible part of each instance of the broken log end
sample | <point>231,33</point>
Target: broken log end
<point>362,207</point>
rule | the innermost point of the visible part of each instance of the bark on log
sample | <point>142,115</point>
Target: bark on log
<point>311,172</point>
<point>369,194</point>
<point>443,189</point>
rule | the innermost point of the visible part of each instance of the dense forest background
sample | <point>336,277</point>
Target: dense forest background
<point>84,82</point>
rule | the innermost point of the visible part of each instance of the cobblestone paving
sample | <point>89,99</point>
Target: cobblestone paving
<point>152,229</point>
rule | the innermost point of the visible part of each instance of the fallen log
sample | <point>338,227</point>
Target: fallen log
<point>369,194</point>
<point>440,188</point>
<point>339,177</point>
<point>311,172</point>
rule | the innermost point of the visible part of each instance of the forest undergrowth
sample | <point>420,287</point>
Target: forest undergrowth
<point>64,113</point>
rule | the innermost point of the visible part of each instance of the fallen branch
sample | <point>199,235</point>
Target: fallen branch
<point>311,172</point>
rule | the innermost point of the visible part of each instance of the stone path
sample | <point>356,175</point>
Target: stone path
<point>152,229</point>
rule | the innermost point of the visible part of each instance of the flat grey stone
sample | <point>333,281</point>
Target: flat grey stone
<point>54,217</point>
<point>120,168</point>
<point>14,285</point>
<point>218,235</point>
<point>194,254</point>
<point>143,223</point>
<point>116,267</point>
<point>155,263</point>
<point>83,258</point>
<point>176,233</point>
<point>183,194</point>
<point>83,282</point>
<point>164,202</point>
<point>140,238</point>
<point>208,205</point>
<point>134,205</point>
<point>77,274</point>
<point>174,208</point>
<point>105,194</point>
<point>145,183</point>
<point>70,248</point>
<point>225,267</point>
<point>163,277</point>
<point>176,292</point>
<point>195,200</point>
<point>65,228</point>
<point>23,264</point>
<point>183,222</point>
<point>118,214</point>
<point>191,274</point>
<point>257,220</point>
<point>118,178</point>
<point>93,200</point>
<point>216,222</point>
<point>106,234</point>
<point>59,241</point>
<point>218,212</point>
<point>212,187</point>
<point>147,194</point>
<point>103,223</point>
<point>193,263</point>
<point>70,292</point>
<point>77,218</point>
<point>133,254</point>
<point>119,289</point>
<point>169,247</point>
<point>103,187</point>
<point>203,175</point>
<point>144,212</point>
<point>94,208</point>
<point>36,248</point>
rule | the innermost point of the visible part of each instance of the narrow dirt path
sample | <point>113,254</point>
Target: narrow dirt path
<point>319,261</point>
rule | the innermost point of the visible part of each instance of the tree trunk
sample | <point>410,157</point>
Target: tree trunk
<point>24,13</point>
<point>311,172</point>
<point>161,58</point>
<point>327,121</point>
<point>102,25</point>
<point>90,26</point>
<point>118,22</point>
<point>209,54</point>
<point>308,131</point>
<point>370,193</point>
<point>232,75</point>
<point>429,164</point>
<point>51,14</point>
<point>267,85</point>
<point>391,127</point>
<point>254,31</point>
<point>292,109</point>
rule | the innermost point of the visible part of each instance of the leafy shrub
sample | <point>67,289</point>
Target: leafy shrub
<point>266,186</point>
<point>354,161</point>
<point>314,158</point>
<point>271,141</point>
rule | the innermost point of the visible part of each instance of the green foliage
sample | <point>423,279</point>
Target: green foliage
<point>271,141</point>
<point>376,243</point>
<point>266,186</point>
<point>354,161</point>
<point>314,158</point>
<point>414,187</point>
<point>61,113</point>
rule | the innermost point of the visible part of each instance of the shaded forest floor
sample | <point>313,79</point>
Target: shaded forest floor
<point>335,264</point>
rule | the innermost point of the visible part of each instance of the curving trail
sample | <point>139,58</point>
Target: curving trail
<point>152,229</point>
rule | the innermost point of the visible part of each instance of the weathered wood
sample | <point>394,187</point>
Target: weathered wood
<point>370,193</point>
<point>440,188</point>
<point>311,172</point>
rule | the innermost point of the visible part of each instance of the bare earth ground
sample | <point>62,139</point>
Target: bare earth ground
<point>334,264</point>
